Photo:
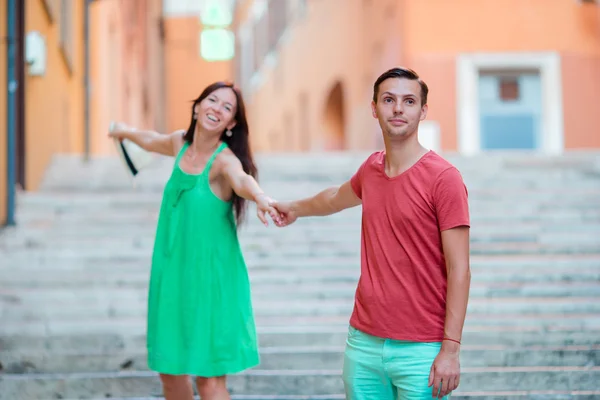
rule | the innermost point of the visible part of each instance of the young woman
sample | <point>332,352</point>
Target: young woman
<point>200,318</point>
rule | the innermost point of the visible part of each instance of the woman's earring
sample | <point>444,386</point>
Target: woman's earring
<point>229,133</point>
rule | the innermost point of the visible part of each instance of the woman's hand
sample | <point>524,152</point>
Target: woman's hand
<point>118,130</point>
<point>264,206</point>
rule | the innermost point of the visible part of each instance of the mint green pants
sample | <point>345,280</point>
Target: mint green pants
<point>385,369</point>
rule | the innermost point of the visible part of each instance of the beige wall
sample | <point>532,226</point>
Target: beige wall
<point>3,117</point>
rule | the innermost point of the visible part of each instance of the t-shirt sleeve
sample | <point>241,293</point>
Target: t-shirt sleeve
<point>451,200</point>
<point>357,179</point>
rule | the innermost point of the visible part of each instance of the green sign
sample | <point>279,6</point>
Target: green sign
<point>217,13</point>
<point>217,44</point>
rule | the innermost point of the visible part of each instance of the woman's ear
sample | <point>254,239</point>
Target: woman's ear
<point>231,125</point>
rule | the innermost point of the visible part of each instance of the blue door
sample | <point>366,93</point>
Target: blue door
<point>510,111</point>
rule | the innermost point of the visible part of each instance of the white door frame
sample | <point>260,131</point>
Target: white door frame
<point>467,86</point>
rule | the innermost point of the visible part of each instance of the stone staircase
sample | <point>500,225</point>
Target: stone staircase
<point>74,275</point>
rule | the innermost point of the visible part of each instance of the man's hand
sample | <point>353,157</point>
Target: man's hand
<point>445,373</point>
<point>264,206</point>
<point>286,214</point>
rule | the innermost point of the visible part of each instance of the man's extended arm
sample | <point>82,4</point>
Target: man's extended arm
<point>327,202</point>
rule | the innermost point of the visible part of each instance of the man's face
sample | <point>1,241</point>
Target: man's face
<point>398,107</point>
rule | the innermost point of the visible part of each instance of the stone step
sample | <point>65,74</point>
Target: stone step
<point>481,208</point>
<point>119,306</point>
<point>154,178</point>
<point>325,244</point>
<point>264,292</point>
<point>37,277</point>
<point>295,357</point>
<point>133,325</point>
<point>138,234</point>
<point>132,338</point>
<point>63,210</point>
<point>552,194</point>
<point>322,266</point>
<point>477,395</point>
<point>284,382</point>
<point>549,193</point>
<point>68,260</point>
<point>143,250</point>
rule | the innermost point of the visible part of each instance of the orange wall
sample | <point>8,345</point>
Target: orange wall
<point>439,72</point>
<point>355,43</point>
<point>3,187</point>
<point>581,100</point>
<point>330,44</point>
<point>509,25</point>
<point>186,73</point>
<point>54,112</point>
<point>484,26</point>
<point>126,68</point>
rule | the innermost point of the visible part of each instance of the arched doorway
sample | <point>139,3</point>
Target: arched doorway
<point>333,120</point>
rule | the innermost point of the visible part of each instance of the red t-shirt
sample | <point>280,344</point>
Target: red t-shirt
<point>401,293</point>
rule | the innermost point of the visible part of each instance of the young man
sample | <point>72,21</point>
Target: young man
<point>409,311</point>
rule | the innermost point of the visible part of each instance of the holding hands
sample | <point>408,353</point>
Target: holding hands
<point>286,214</point>
<point>281,213</point>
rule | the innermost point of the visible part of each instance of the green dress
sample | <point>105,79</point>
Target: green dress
<point>200,318</point>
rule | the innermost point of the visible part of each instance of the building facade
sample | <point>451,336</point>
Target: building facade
<point>78,65</point>
<point>502,75</point>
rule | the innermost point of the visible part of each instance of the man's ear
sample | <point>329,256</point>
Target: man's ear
<point>424,110</point>
<point>374,109</point>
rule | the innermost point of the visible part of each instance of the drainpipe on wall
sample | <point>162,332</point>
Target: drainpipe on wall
<point>86,79</point>
<point>11,102</point>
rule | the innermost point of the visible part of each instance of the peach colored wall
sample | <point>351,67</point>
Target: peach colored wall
<point>329,44</point>
<point>186,73</point>
<point>3,117</point>
<point>439,72</point>
<point>126,67</point>
<point>483,26</point>
<point>510,25</point>
<point>356,43</point>
<point>54,112</point>
<point>581,100</point>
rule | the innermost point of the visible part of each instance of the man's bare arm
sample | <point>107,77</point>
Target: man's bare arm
<point>455,244</point>
<point>445,371</point>
<point>327,202</point>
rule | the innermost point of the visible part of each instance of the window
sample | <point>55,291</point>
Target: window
<point>509,89</point>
